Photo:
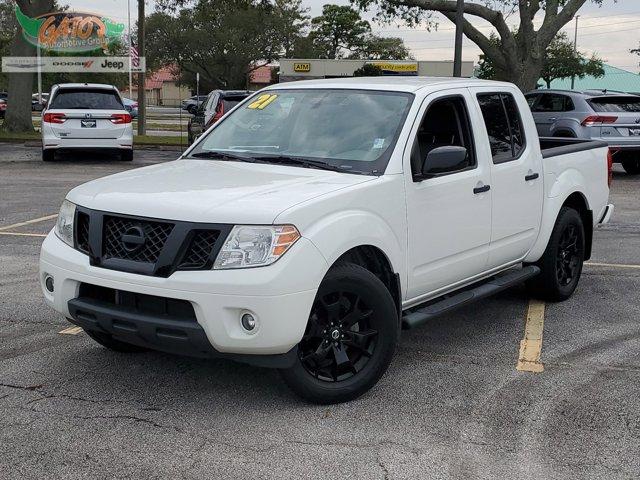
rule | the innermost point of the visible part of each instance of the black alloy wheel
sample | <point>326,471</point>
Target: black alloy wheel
<point>349,340</point>
<point>568,257</point>
<point>340,338</point>
<point>562,260</point>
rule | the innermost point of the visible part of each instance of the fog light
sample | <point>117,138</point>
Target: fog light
<point>48,283</point>
<point>248,322</point>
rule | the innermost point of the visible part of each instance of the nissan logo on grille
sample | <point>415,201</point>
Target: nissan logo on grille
<point>133,239</point>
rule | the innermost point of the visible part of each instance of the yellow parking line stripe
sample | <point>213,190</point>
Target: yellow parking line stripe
<point>28,222</point>
<point>71,331</point>
<point>19,234</point>
<point>612,265</point>
<point>531,344</point>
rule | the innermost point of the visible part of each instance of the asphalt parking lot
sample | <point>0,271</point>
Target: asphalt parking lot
<point>452,405</point>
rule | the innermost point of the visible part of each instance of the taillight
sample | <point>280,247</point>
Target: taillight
<point>54,118</point>
<point>609,168</point>
<point>120,118</point>
<point>592,120</point>
<point>219,113</point>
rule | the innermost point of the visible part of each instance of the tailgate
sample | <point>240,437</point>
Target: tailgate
<point>88,124</point>
<point>620,115</point>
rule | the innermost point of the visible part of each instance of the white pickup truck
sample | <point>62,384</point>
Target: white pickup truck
<point>317,218</point>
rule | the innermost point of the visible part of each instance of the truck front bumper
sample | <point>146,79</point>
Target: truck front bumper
<point>279,297</point>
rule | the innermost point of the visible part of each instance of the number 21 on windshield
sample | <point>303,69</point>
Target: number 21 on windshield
<point>262,101</point>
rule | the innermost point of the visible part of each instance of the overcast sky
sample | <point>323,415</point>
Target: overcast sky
<point>610,31</point>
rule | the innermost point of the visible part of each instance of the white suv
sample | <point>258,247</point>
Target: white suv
<point>86,116</point>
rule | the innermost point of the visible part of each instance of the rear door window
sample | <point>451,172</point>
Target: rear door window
<point>551,102</point>
<point>616,104</point>
<point>504,125</point>
<point>86,99</point>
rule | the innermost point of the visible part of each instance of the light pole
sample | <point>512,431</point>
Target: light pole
<point>575,49</point>
<point>129,42</point>
<point>457,55</point>
<point>142,107</point>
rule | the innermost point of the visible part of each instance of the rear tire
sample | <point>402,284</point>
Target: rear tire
<point>561,263</point>
<point>631,166</point>
<point>48,155</point>
<point>126,155</point>
<point>350,338</point>
<point>111,343</point>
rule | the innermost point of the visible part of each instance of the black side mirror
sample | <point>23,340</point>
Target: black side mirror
<point>449,158</point>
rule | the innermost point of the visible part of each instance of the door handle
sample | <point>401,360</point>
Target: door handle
<point>482,189</point>
<point>530,177</point>
<point>552,119</point>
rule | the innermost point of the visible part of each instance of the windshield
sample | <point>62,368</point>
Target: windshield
<point>348,129</point>
<point>616,104</point>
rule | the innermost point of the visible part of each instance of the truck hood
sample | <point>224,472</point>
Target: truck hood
<point>210,191</point>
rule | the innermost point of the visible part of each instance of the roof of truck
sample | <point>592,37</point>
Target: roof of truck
<point>392,83</point>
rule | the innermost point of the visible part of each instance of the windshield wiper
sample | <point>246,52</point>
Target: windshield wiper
<point>303,162</point>
<point>223,156</point>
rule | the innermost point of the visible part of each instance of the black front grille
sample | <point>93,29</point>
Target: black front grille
<point>156,234</point>
<point>82,229</point>
<point>147,246</point>
<point>200,250</point>
<point>140,303</point>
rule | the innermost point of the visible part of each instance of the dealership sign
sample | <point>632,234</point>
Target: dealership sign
<point>69,31</point>
<point>70,64</point>
<point>397,67</point>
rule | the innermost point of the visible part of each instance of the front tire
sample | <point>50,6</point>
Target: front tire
<point>631,166</point>
<point>111,343</point>
<point>350,338</point>
<point>561,263</point>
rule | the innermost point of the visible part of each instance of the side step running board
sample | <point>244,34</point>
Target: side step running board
<point>493,285</point>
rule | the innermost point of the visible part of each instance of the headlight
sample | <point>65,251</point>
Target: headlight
<point>255,246</point>
<point>64,225</point>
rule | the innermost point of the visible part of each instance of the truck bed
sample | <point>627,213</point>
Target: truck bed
<point>554,146</point>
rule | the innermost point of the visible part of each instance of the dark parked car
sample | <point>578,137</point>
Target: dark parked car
<point>613,117</point>
<point>217,103</point>
<point>3,107</point>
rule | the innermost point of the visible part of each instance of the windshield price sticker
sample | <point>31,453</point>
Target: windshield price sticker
<point>262,102</point>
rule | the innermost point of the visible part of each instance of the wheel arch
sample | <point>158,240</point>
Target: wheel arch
<point>376,261</point>
<point>575,199</point>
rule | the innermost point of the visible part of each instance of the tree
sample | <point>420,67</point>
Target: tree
<point>368,70</point>
<point>20,85</point>
<point>340,32</point>
<point>561,60</point>
<point>382,48</point>
<point>519,55</point>
<point>223,40</point>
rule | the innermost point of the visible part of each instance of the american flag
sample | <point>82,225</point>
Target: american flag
<point>135,59</point>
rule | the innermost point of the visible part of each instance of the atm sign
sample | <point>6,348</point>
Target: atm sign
<point>302,67</point>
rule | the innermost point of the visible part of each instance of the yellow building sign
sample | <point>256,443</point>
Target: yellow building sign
<point>393,67</point>
<point>302,67</point>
